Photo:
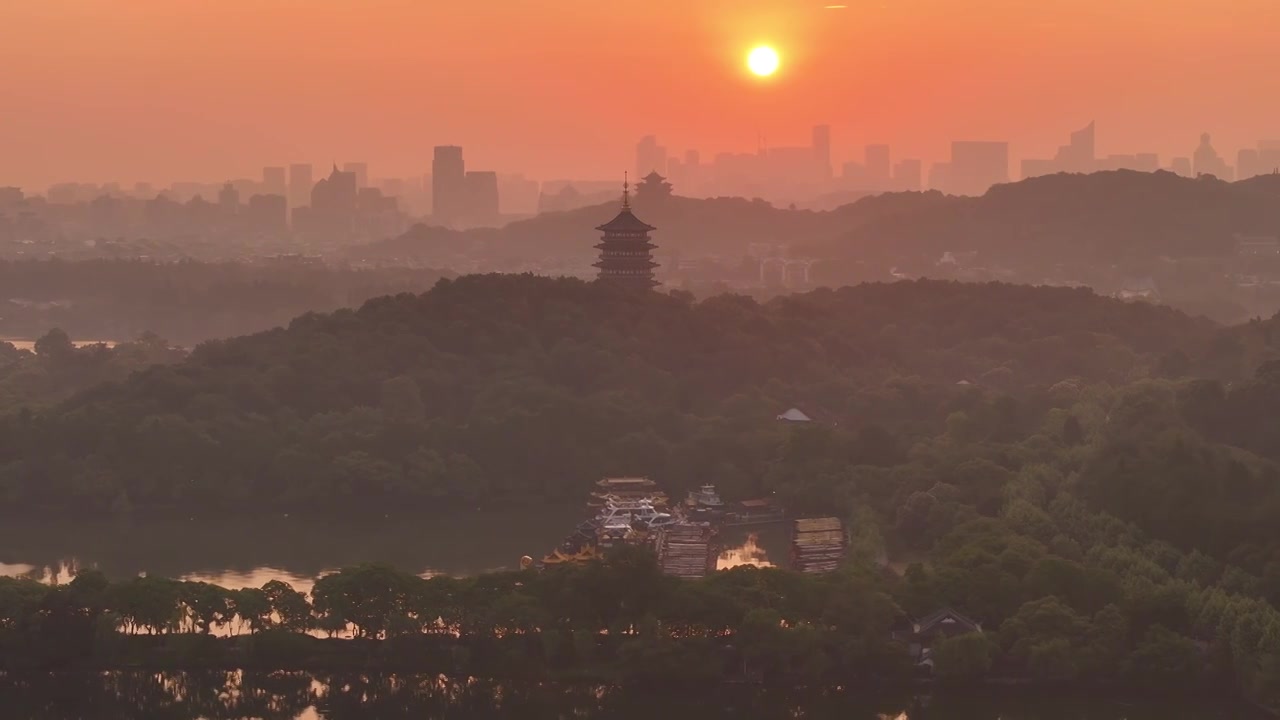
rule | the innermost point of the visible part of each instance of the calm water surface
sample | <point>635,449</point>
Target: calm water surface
<point>240,552</point>
<point>303,696</point>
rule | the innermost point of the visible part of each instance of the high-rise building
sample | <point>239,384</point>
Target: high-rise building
<point>974,167</point>
<point>1079,155</point>
<point>448,185</point>
<point>360,170</point>
<point>877,166</point>
<point>822,150</point>
<point>229,199</point>
<point>273,181</point>
<point>626,253</point>
<point>1206,160</point>
<point>268,214</point>
<point>650,156</point>
<point>1248,163</point>
<point>908,175</point>
<point>300,183</point>
<point>1181,166</point>
<point>481,196</point>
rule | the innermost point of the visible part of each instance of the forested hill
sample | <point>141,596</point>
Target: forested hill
<point>1105,217</point>
<point>518,387</point>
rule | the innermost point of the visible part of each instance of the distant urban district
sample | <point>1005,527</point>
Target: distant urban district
<point>779,220</point>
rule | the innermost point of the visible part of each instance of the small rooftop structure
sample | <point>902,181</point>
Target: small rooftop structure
<point>794,415</point>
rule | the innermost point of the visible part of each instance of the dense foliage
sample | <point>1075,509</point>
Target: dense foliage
<point>505,388</point>
<point>1093,481</point>
<point>55,368</point>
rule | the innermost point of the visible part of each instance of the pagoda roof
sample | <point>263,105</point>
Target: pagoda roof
<point>626,222</point>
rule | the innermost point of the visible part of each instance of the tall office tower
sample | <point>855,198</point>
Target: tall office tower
<point>1181,166</point>
<point>300,184</point>
<point>360,170</point>
<point>273,182</point>
<point>267,214</point>
<point>976,166</point>
<point>229,199</point>
<point>822,150</point>
<point>482,196</point>
<point>908,175</point>
<point>1248,163</point>
<point>877,166</point>
<point>448,184</point>
<point>650,156</point>
<point>1207,161</point>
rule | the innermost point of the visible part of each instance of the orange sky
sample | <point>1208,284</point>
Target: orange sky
<point>159,90</point>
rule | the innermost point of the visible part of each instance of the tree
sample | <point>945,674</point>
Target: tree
<point>963,657</point>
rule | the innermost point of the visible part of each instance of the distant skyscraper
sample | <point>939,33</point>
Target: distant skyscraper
<point>822,150</point>
<point>360,170</point>
<point>268,214</point>
<point>448,185</point>
<point>229,199</point>
<point>1181,166</point>
<point>877,166</point>
<point>650,156</point>
<point>1207,162</point>
<point>300,182</point>
<point>908,175</point>
<point>481,196</point>
<point>1078,156</point>
<point>974,167</point>
<point>626,254</point>
<point>273,181</point>
<point>1248,163</point>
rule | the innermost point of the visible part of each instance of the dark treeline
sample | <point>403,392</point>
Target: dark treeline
<point>1114,618</point>
<point>186,302</point>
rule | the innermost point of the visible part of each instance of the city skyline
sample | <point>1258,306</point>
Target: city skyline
<point>975,165</point>
<point>156,91</point>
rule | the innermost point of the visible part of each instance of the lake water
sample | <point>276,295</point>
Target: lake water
<point>248,552</point>
<point>362,696</point>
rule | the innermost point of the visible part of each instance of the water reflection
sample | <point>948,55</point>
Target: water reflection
<point>749,552</point>
<point>219,695</point>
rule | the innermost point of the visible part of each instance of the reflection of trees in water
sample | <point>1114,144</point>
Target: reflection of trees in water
<point>221,695</point>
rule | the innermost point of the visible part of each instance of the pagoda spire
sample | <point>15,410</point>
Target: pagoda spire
<point>626,252</point>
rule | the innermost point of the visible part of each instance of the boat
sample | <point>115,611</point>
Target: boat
<point>704,502</point>
<point>625,514</point>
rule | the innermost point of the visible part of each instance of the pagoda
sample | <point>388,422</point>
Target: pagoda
<point>626,255</point>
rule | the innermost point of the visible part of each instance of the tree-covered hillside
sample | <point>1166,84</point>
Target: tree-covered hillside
<point>508,388</point>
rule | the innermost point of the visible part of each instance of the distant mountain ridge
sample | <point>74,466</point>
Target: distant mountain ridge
<point>1100,217</point>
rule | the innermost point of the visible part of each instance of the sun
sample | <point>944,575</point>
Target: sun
<point>763,61</point>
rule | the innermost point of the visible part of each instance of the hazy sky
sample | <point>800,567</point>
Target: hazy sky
<point>159,90</point>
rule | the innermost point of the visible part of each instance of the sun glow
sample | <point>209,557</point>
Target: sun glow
<point>763,61</point>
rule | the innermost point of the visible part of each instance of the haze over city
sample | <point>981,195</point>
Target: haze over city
<point>706,359</point>
<point>156,91</point>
